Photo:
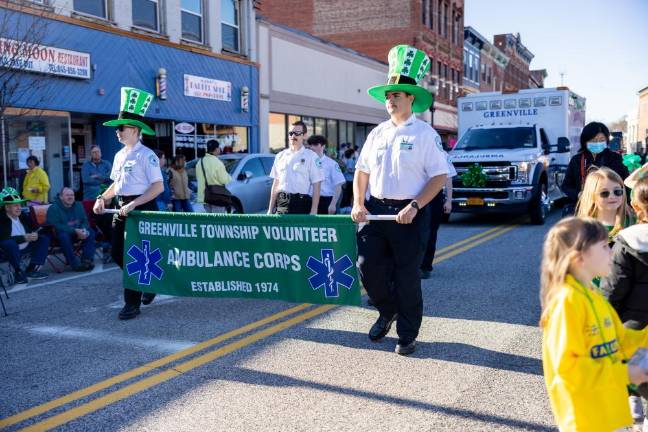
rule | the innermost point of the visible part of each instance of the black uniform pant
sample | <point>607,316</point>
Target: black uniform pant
<point>131,297</point>
<point>435,215</point>
<point>323,205</point>
<point>389,257</point>
<point>293,203</point>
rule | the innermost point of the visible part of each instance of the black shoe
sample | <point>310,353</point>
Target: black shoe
<point>20,278</point>
<point>147,298</point>
<point>83,267</point>
<point>425,274</point>
<point>88,263</point>
<point>38,275</point>
<point>405,346</point>
<point>129,312</point>
<point>381,327</point>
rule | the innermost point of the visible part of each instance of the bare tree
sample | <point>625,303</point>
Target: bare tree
<point>23,30</point>
<point>619,125</point>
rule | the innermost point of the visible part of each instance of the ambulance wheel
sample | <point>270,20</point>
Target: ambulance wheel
<point>540,205</point>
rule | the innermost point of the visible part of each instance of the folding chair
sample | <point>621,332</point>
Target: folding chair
<point>38,215</point>
<point>100,236</point>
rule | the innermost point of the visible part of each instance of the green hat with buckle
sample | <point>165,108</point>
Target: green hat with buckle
<point>134,104</point>
<point>407,66</point>
<point>10,195</point>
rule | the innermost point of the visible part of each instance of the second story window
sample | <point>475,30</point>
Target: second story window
<point>146,13</point>
<point>192,20</point>
<point>92,7</point>
<point>230,25</point>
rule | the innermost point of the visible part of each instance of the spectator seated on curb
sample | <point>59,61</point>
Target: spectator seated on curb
<point>70,225</point>
<point>19,237</point>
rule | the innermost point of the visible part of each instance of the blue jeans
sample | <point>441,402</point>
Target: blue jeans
<point>182,205</point>
<point>66,240</point>
<point>37,249</point>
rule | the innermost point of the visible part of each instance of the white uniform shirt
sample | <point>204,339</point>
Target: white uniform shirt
<point>297,171</point>
<point>332,177</point>
<point>400,160</point>
<point>451,169</point>
<point>135,171</point>
<point>17,229</point>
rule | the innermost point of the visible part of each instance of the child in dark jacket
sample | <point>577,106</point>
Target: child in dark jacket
<point>627,284</point>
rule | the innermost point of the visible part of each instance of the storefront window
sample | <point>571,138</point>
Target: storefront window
<point>332,134</point>
<point>277,132</point>
<point>351,134</point>
<point>310,125</point>
<point>320,127</point>
<point>46,136</point>
<point>191,138</point>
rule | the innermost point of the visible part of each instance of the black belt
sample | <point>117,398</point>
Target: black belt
<point>391,202</point>
<point>293,195</point>
<point>126,198</point>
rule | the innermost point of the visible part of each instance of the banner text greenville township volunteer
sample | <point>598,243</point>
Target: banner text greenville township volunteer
<point>204,259</point>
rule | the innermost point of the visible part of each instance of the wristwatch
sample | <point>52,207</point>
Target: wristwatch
<point>415,205</point>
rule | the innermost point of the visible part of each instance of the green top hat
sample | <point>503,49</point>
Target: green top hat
<point>10,195</point>
<point>407,65</point>
<point>134,103</point>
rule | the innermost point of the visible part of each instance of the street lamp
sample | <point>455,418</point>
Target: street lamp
<point>433,88</point>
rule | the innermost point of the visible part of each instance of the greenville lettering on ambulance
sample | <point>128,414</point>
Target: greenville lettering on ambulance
<point>511,113</point>
<point>234,286</point>
<point>237,259</point>
<point>238,232</point>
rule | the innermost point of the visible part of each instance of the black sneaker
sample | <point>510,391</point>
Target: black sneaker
<point>129,312</point>
<point>89,264</point>
<point>381,327</point>
<point>37,275</point>
<point>147,298</point>
<point>405,346</point>
<point>20,278</point>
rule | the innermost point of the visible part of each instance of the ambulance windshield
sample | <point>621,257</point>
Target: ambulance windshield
<point>498,138</point>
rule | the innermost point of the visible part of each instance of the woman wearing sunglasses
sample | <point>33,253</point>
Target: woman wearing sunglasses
<point>604,199</point>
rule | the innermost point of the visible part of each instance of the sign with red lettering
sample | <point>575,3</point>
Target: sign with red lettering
<point>207,88</point>
<point>43,59</point>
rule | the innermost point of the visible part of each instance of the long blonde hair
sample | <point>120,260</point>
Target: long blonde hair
<point>586,205</point>
<point>564,242</point>
<point>640,200</point>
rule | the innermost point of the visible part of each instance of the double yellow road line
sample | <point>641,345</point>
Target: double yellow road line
<point>178,369</point>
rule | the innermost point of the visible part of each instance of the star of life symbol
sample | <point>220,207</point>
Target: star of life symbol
<point>330,273</point>
<point>145,263</point>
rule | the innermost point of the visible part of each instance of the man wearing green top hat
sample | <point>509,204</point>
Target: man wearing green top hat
<point>137,181</point>
<point>19,236</point>
<point>403,168</point>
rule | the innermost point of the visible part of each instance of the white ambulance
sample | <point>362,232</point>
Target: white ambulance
<point>514,148</point>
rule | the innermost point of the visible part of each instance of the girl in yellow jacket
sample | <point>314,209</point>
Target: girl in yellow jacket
<point>585,346</point>
<point>36,185</point>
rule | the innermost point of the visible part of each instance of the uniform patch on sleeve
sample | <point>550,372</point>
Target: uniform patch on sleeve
<point>318,163</point>
<point>337,168</point>
<point>154,161</point>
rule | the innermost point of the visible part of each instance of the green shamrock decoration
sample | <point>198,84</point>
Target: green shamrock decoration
<point>474,176</point>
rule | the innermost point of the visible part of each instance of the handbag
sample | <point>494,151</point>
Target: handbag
<point>216,195</point>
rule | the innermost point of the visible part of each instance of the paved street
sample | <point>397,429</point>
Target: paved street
<point>192,364</point>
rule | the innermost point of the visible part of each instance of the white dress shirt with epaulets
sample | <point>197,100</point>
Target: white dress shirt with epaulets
<point>332,177</point>
<point>296,171</point>
<point>400,160</point>
<point>135,171</point>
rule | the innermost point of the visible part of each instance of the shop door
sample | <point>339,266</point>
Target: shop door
<point>76,159</point>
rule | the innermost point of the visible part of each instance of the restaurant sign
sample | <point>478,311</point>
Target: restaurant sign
<point>44,59</point>
<point>207,88</point>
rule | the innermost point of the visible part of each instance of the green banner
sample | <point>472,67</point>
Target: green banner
<point>296,258</point>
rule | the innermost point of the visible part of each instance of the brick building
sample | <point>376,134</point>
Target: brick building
<point>493,66</point>
<point>372,27</point>
<point>537,77</point>
<point>517,73</point>
<point>642,122</point>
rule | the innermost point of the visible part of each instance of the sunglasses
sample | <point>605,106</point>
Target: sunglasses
<point>291,133</point>
<point>606,193</point>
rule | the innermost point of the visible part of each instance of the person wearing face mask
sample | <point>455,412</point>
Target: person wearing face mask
<point>594,150</point>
